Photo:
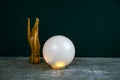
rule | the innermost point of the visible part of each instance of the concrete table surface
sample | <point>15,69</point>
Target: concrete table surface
<point>19,68</point>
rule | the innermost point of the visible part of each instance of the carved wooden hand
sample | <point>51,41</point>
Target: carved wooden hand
<point>33,39</point>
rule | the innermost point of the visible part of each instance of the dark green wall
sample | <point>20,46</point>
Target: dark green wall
<point>92,25</point>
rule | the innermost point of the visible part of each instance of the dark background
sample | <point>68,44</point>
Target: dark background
<point>92,25</point>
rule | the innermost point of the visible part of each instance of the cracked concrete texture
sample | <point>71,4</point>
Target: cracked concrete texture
<point>19,68</point>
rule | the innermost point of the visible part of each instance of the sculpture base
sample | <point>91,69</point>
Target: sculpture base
<point>34,58</point>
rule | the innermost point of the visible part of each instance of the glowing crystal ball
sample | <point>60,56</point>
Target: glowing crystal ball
<point>58,51</point>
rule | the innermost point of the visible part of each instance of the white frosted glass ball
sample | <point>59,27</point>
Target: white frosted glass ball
<point>58,51</point>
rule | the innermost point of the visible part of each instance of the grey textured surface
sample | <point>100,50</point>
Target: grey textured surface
<point>19,68</point>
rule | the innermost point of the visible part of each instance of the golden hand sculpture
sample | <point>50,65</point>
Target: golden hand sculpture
<point>33,39</point>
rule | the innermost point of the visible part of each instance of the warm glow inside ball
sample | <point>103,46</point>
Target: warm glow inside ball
<point>58,51</point>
